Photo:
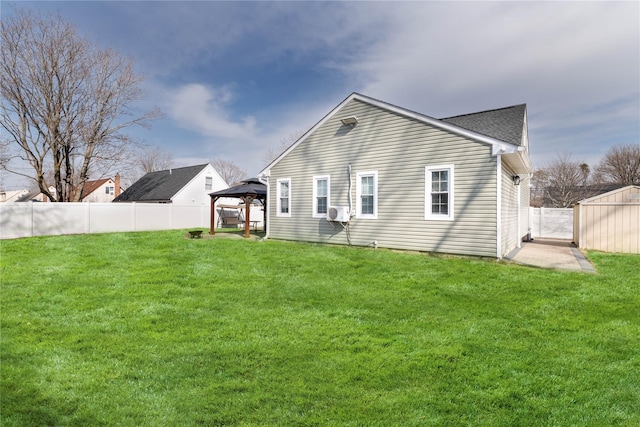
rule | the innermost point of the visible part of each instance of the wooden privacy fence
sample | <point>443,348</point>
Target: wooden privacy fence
<point>50,219</point>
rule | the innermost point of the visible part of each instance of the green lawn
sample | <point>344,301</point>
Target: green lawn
<point>158,330</point>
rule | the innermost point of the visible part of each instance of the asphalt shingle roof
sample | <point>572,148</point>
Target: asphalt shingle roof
<point>91,186</point>
<point>505,124</point>
<point>159,186</point>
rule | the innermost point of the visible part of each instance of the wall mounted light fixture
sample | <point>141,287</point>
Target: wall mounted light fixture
<point>516,179</point>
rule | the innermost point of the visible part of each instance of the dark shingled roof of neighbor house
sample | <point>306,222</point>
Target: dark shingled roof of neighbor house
<point>160,186</point>
<point>505,124</point>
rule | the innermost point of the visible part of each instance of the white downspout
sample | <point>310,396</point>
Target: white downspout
<point>518,202</point>
<point>499,206</point>
<point>266,206</point>
<point>350,189</point>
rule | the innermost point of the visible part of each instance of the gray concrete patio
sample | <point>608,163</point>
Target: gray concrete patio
<point>554,254</point>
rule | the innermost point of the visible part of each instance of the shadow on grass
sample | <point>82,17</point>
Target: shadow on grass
<point>23,403</point>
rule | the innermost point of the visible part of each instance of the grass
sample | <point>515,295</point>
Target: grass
<point>157,329</point>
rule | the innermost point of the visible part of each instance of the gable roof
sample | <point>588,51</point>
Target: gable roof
<point>505,124</point>
<point>475,126</point>
<point>160,186</point>
<point>91,186</point>
<point>613,188</point>
<point>30,196</point>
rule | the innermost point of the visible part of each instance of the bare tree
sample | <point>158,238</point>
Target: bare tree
<point>151,159</point>
<point>565,182</point>
<point>229,171</point>
<point>585,170</point>
<point>65,102</point>
<point>285,143</point>
<point>539,184</point>
<point>621,165</point>
<point>141,161</point>
<point>4,152</point>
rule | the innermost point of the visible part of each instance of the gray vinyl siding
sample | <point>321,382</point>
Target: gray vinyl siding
<point>398,148</point>
<point>509,212</point>
<point>524,206</point>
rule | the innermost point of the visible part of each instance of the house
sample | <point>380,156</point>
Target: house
<point>12,196</point>
<point>609,222</point>
<point>36,196</point>
<point>184,186</point>
<point>374,174</point>
<point>98,191</point>
<point>566,197</point>
<point>102,190</point>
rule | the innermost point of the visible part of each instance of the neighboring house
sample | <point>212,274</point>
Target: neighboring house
<point>102,190</point>
<point>183,186</point>
<point>12,196</point>
<point>37,196</point>
<point>609,222</point>
<point>569,196</point>
<point>399,179</point>
<point>98,191</point>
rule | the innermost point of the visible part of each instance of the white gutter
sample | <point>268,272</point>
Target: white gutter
<point>266,205</point>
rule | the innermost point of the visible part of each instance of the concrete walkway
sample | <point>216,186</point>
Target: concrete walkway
<point>556,254</point>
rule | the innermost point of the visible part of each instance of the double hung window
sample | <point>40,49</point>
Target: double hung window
<point>367,195</point>
<point>439,193</point>
<point>321,190</point>
<point>284,197</point>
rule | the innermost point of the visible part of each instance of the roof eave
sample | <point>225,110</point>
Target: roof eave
<point>608,193</point>
<point>519,161</point>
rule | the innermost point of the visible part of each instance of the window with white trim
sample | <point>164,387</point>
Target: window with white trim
<point>284,197</point>
<point>208,183</point>
<point>367,195</point>
<point>321,190</point>
<point>109,190</point>
<point>439,193</point>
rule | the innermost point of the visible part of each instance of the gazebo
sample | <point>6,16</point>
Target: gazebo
<point>248,191</point>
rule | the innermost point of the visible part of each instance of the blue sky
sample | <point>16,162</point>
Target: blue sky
<point>235,79</point>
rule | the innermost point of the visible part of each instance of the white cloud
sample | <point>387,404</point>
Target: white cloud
<point>574,63</point>
<point>216,131</point>
<point>203,109</point>
<point>439,57</point>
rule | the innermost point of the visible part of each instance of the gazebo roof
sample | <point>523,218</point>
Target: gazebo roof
<point>251,186</point>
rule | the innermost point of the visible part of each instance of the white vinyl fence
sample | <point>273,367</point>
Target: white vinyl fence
<point>49,219</point>
<point>551,223</point>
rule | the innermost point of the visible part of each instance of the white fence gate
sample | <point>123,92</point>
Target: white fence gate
<point>551,223</point>
<point>50,219</point>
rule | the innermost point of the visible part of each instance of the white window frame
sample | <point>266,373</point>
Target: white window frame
<point>327,178</point>
<point>109,190</point>
<point>428,215</point>
<point>359,177</point>
<point>208,183</point>
<point>278,197</point>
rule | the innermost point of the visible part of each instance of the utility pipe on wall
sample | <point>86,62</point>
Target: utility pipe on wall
<point>266,207</point>
<point>350,184</point>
